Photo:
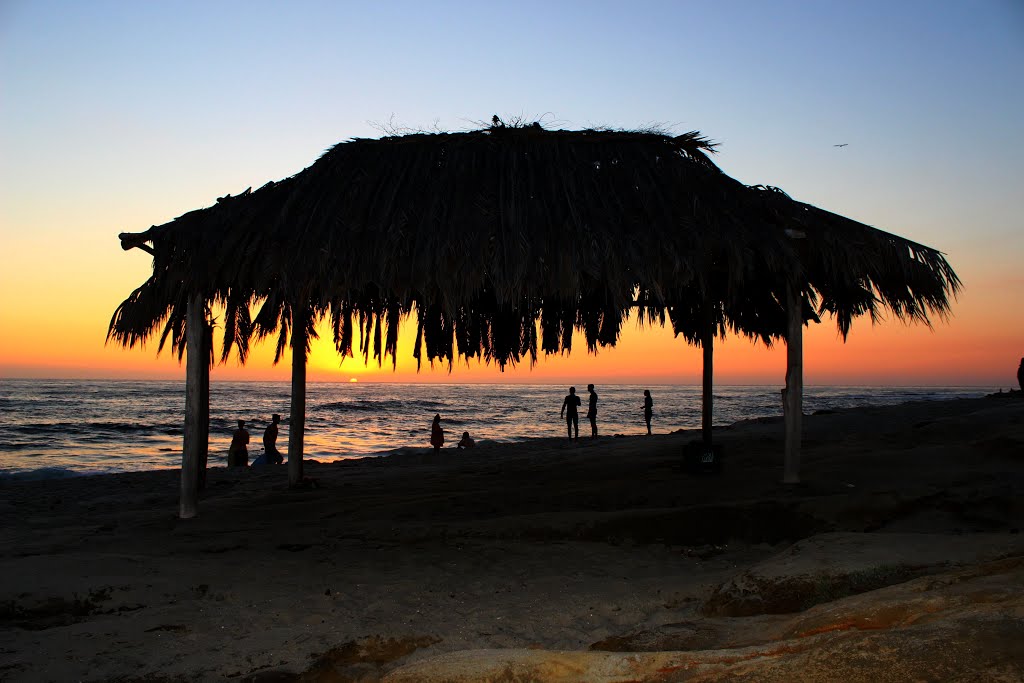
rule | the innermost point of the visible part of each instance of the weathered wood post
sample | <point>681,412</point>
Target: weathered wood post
<point>793,396</point>
<point>707,344</point>
<point>196,357</point>
<point>204,403</point>
<point>297,421</point>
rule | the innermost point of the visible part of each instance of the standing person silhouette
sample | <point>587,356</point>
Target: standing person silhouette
<point>648,409</point>
<point>1020,374</point>
<point>238,452</point>
<point>436,434</point>
<point>273,456</point>
<point>572,418</point>
<point>592,411</point>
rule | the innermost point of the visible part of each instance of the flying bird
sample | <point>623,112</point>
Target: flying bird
<point>842,145</point>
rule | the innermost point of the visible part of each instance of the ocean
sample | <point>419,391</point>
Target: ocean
<point>59,428</point>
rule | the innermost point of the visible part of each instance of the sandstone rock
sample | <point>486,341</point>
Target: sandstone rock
<point>830,566</point>
<point>958,626</point>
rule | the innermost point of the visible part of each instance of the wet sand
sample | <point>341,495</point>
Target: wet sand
<point>601,561</point>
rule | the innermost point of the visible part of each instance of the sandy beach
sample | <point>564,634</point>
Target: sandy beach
<point>899,557</point>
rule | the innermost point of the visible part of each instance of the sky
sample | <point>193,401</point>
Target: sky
<point>115,116</point>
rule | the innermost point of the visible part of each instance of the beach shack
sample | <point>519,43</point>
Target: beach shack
<point>499,244</point>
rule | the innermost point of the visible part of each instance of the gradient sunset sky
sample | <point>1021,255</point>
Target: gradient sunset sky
<point>115,116</point>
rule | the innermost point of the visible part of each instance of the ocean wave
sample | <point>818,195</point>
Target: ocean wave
<point>393,406</point>
<point>43,473</point>
<point>16,446</point>
<point>91,430</point>
<point>404,450</point>
<point>348,406</point>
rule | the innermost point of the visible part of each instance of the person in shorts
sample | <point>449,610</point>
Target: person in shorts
<point>571,414</point>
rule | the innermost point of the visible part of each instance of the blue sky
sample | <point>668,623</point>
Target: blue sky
<point>118,115</point>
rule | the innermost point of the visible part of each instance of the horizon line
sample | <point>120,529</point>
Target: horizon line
<point>992,385</point>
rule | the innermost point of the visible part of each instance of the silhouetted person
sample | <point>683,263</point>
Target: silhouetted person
<point>592,411</point>
<point>467,441</point>
<point>572,417</point>
<point>436,434</point>
<point>648,408</point>
<point>272,456</point>
<point>238,452</point>
<point>1020,374</point>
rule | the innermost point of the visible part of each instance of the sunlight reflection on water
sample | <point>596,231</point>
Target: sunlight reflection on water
<point>57,427</point>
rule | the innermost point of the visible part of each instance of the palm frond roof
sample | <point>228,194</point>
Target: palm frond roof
<point>484,234</point>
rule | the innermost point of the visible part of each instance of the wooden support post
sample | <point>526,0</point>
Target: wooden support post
<point>195,359</point>
<point>204,404</point>
<point>708,346</point>
<point>794,393</point>
<point>297,421</point>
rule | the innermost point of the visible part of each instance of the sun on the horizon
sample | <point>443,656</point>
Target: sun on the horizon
<point>353,379</point>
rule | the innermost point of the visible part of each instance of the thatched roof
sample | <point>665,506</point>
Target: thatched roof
<point>484,234</point>
<point>854,269</point>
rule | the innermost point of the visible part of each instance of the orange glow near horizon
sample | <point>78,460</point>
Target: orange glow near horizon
<point>884,354</point>
<point>979,346</point>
